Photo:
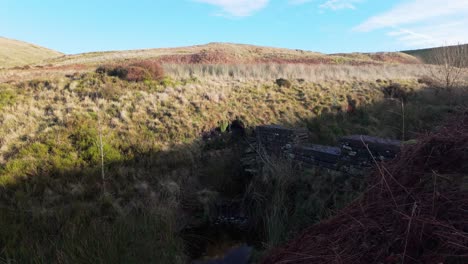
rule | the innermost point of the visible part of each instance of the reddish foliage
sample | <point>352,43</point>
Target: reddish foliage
<point>137,74</point>
<point>416,210</point>
<point>151,67</point>
<point>220,56</point>
<point>203,57</point>
<point>134,72</point>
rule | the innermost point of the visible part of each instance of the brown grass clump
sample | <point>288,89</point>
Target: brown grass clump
<point>414,212</point>
<point>153,68</point>
<point>134,72</point>
<point>137,74</point>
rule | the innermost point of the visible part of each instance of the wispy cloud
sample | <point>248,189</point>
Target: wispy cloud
<point>237,8</point>
<point>421,23</point>
<point>330,4</point>
<point>299,2</point>
<point>340,4</point>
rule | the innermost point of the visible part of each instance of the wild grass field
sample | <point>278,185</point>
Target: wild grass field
<point>98,169</point>
<point>16,53</point>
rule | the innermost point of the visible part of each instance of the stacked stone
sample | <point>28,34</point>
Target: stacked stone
<point>317,155</point>
<point>362,150</point>
<point>353,152</point>
<point>277,140</point>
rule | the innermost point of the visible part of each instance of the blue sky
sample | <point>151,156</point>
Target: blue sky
<point>328,26</point>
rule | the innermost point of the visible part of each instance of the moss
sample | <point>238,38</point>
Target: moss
<point>7,97</point>
<point>167,81</point>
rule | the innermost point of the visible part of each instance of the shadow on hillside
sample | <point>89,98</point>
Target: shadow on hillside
<point>134,213</point>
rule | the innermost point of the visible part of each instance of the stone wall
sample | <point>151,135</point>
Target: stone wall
<point>352,151</point>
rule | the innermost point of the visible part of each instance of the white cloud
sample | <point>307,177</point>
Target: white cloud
<point>422,23</point>
<point>238,8</point>
<point>330,4</point>
<point>340,4</point>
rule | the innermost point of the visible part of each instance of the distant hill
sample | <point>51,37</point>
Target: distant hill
<point>229,53</point>
<point>18,53</point>
<point>426,54</point>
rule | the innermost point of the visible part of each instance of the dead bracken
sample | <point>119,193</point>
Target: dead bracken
<point>415,210</point>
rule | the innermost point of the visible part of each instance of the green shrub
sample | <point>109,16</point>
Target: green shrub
<point>85,139</point>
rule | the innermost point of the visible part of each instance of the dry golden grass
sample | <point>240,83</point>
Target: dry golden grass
<point>227,53</point>
<point>309,73</point>
<point>175,112</point>
<point>244,72</point>
<point>18,53</point>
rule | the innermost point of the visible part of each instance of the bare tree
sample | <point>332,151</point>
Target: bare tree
<point>449,64</point>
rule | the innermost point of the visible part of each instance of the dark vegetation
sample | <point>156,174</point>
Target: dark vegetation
<point>283,83</point>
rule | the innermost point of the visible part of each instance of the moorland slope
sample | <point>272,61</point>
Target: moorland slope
<point>17,53</point>
<point>229,53</point>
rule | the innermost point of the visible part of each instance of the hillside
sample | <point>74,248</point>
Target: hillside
<point>228,53</point>
<point>124,170</point>
<point>426,54</point>
<point>17,53</point>
<point>169,156</point>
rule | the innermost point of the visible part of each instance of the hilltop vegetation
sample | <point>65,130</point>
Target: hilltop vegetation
<point>227,53</point>
<point>17,53</point>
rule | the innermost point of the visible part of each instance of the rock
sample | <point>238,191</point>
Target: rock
<point>283,83</point>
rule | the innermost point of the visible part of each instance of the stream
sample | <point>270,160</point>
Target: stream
<point>227,239</point>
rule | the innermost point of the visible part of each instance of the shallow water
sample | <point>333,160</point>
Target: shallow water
<point>210,244</point>
<point>236,255</point>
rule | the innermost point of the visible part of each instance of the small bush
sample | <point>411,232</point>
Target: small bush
<point>153,67</point>
<point>104,69</point>
<point>283,83</point>
<point>119,71</point>
<point>135,72</point>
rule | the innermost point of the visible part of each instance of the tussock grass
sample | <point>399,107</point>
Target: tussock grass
<point>309,73</point>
